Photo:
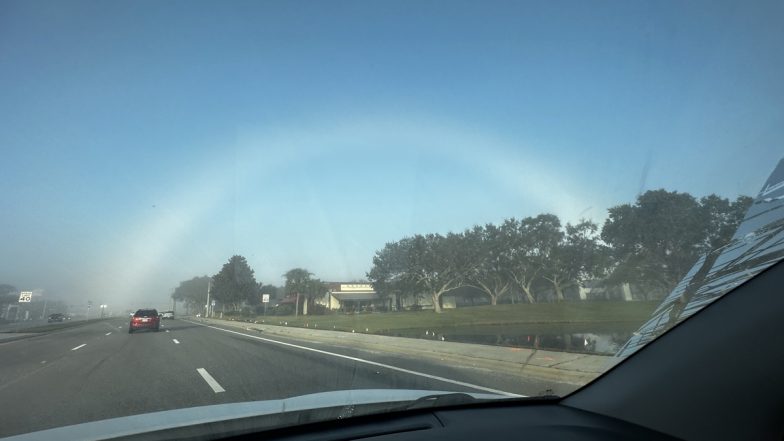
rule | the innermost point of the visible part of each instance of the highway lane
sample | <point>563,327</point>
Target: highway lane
<point>26,356</point>
<point>99,371</point>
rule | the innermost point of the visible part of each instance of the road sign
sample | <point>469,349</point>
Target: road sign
<point>213,303</point>
<point>25,297</point>
<point>265,298</point>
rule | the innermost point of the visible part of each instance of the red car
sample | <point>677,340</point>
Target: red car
<point>145,319</point>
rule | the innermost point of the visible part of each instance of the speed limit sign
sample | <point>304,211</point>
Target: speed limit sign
<point>25,297</point>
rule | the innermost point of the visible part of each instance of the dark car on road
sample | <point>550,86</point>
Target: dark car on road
<point>145,319</point>
<point>57,317</point>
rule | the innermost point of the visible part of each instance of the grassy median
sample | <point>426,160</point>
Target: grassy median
<point>546,316</point>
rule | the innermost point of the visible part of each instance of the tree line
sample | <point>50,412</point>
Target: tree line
<point>651,244</point>
<point>235,288</point>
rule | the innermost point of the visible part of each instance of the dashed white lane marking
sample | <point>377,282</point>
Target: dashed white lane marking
<point>108,333</point>
<point>210,381</point>
<point>80,346</point>
<point>176,342</point>
<point>167,330</point>
<point>119,327</point>
<point>372,363</point>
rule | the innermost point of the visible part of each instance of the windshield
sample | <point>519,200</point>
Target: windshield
<point>496,198</point>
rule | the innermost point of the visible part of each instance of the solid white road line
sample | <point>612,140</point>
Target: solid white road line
<point>80,346</point>
<point>176,342</point>
<point>372,363</point>
<point>210,381</point>
<point>108,333</point>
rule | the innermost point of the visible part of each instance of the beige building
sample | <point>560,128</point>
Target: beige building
<point>355,297</point>
<point>350,297</point>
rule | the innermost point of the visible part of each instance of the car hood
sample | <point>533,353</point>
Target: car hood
<point>205,422</point>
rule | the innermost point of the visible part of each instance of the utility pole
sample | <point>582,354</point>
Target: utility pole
<point>209,286</point>
<point>296,307</point>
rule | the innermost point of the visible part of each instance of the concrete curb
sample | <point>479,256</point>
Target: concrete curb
<point>7,337</point>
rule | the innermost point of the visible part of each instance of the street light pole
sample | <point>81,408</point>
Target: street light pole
<point>207,306</point>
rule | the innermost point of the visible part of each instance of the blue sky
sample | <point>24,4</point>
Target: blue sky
<point>144,143</point>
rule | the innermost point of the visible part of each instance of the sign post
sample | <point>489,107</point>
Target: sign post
<point>265,300</point>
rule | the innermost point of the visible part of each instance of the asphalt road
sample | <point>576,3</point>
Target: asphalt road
<point>99,371</point>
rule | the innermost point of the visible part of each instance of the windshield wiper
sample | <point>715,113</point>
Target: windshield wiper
<point>441,400</point>
<point>459,399</point>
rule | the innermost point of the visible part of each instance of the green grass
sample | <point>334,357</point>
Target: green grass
<point>545,315</point>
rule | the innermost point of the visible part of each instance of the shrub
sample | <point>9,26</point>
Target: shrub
<point>317,310</point>
<point>284,310</point>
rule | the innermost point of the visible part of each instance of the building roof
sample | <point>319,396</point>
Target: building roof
<point>351,287</point>
<point>371,295</point>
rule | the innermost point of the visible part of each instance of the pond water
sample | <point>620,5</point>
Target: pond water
<point>602,340</point>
